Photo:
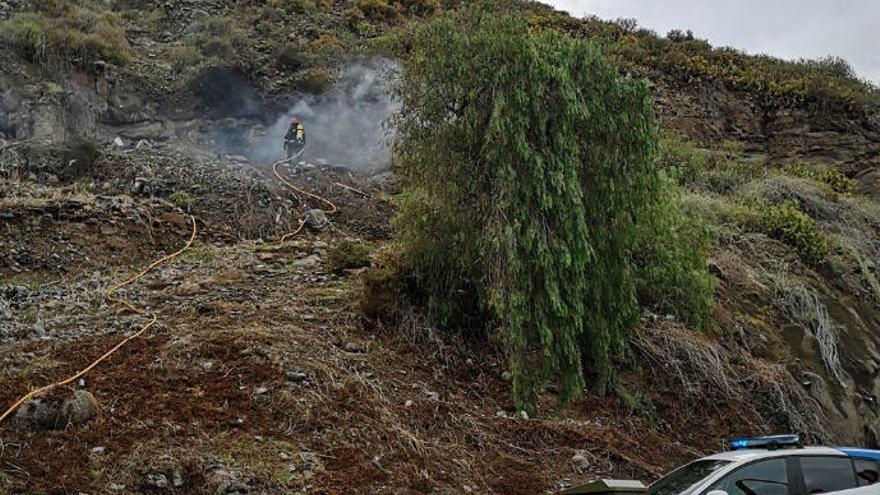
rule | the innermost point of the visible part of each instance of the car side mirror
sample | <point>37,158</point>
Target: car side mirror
<point>717,492</point>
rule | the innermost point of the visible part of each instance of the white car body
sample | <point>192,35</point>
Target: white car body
<point>738,459</point>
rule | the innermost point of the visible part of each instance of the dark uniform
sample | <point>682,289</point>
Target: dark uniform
<point>295,139</point>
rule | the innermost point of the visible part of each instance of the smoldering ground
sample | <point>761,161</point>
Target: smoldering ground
<point>344,126</point>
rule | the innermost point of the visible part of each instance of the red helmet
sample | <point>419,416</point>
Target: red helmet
<point>294,120</point>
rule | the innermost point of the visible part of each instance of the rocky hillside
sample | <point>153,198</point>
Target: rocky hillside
<point>268,371</point>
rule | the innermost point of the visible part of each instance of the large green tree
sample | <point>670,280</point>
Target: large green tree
<point>529,165</point>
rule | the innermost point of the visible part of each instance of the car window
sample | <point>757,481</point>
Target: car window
<point>867,472</point>
<point>768,477</point>
<point>827,474</point>
<point>684,480</point>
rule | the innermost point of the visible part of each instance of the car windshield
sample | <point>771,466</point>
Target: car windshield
<point>682,481</point>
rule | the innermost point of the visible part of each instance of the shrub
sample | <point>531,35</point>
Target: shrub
<point>832,179</point>
<point>348,254</point>
<point>681,160</point>
<point>184,56</point>
<point>526,186</point>
<point>182,200</point>
<point>391,10</point>
<point>420,7</point>
<point>326,44</point>
<point>80,158</point>
<point>353,16</point>
<point>731,147</point>
<point>678,36</point>
<point>78,33</point>
<point>301,6</point>
<point>293,56</point>
<point>313,80</point>
<point>221,41</point>
<point>155,19</point>
<point>790,225</point>
<point>382,294</point>
<point>726,176</point>
<point>829,83</point>
<point>377,10</point>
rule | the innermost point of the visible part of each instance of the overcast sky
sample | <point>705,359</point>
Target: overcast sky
<point>784,28</point>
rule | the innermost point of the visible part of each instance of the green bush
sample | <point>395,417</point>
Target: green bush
<point>681,160</point>
<point>182,200</point>
<point>830,178</point>
<point>526,186</point>
<point>348,254</point>
<point>695,61</point>
<point>293,56</point>
<point>727,176</point>
<point>301,6</point>
<point>720,171</point>
<point>353,16</point>
<point>326,45</point>
<point>377,10</point>
<point>795,228</point>
<point>77,33</point>
<point>671,265</point>
<point>391,10</point>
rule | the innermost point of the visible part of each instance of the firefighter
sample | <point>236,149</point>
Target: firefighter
<point>295,139</point>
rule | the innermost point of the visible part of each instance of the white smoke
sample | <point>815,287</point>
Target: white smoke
<point>344,126</point>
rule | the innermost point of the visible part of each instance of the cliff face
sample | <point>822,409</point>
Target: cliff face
<point>778,131</point>
<point>772,305</point>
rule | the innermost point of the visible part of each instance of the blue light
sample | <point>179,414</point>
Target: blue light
<point>771,442</point>
<point>739,443</point>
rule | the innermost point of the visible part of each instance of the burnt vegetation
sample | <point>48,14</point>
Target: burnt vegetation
<point>553,259</point>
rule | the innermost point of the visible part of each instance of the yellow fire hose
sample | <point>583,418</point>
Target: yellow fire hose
<point>128,304</point>
<point>297,190</point>
<point>110,296</point>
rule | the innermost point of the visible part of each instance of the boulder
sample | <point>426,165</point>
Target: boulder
<point>869,182</point>
<point>317,219</point>
<point>78,408</point>
<point>58,412</point>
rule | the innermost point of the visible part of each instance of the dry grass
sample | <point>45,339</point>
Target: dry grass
<point>699,366</point>
<point>766,395</point>
<point>803,305</point>
<point>10,163</point>
<point>786,401</point>
<point>70,30</point>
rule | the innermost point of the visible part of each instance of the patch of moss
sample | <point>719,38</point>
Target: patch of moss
<point>348,254</point>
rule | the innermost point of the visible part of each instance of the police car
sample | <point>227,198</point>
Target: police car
<point>776,465</point>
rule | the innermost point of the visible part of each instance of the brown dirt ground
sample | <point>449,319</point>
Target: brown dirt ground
<point>206,397</point>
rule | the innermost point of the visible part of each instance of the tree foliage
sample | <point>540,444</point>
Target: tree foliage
<point>529,166</point>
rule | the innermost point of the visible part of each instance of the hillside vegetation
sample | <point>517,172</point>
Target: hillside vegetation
<point>595,251</point>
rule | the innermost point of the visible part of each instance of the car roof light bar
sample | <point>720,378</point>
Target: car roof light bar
<point>769,442</point>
